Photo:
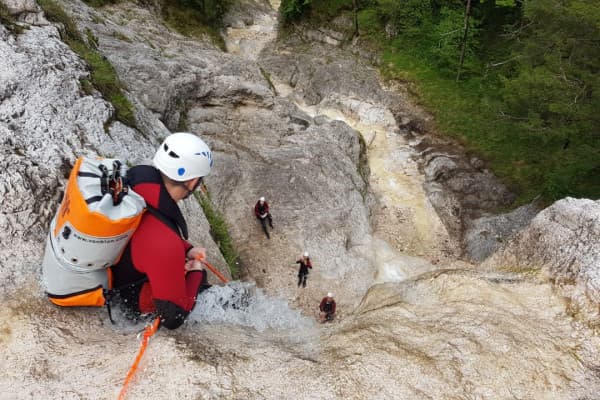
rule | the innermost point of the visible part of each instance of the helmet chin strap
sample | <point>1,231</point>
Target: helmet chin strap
<point>198,183</point>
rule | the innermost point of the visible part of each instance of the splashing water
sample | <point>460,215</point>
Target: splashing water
<point>243,304</point>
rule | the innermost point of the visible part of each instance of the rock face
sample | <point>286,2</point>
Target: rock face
<point>562,240</point>
<point>460,189</point>
<point>26,11</point>
<point>463,192</point>
<point>330,82</point>
<point>46,122</point>
<point>263,145</point>
<point>455,347</point>
<point>485,235</point>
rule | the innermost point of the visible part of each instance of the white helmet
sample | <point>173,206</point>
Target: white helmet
<point>330,294</point>
<point>261,199</point>
<point>306,254</point>
<point>183,156</point>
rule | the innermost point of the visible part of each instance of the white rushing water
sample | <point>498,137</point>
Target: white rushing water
<point>248,41</point>
<point>243,304</point>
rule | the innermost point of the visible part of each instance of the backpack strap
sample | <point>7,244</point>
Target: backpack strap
<point>166,220</point>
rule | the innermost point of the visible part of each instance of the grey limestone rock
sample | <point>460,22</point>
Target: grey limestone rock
<point>26,11</point>
<point>485,235</point>
<point>563,242</point>
<point>243,12</point>
<point>46,122</point>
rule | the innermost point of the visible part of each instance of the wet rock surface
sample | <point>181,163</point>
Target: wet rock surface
<point>460,188</point>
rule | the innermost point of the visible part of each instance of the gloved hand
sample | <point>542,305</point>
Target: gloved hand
<point>196,253</point>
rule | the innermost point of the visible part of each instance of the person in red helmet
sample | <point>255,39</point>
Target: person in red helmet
<point>157,273</point>
<point>327,308</point>
<point>261,210</point>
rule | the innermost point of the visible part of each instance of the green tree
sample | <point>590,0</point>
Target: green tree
<point>447,38</point>
<point>556,90</point>
<point>412,18</point>
<point>292,10</point>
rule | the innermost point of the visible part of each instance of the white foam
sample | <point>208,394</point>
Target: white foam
<point>243,304</point>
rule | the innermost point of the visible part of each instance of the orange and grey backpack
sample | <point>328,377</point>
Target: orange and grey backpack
<point>96,219</point>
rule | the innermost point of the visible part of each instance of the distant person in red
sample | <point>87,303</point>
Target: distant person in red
<point>305,264</point>
<point>327,308</point>
<point>261,210</point>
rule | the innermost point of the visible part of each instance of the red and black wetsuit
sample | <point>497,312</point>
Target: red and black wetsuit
<point>259,211</point>
<point>303,271</point>
<point>151,276</point>
<point>328,307</point>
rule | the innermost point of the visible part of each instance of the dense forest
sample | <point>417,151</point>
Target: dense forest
<point>515,81</point>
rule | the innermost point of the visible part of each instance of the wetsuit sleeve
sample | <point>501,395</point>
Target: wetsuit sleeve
<point>172,315</point>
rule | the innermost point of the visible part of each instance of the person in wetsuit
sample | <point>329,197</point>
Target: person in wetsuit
<point>305,264</point>
<point>158,272</point>
<point>261,210</point>
<point>327,308</point>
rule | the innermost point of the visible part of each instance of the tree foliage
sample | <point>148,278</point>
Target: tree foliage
<point>212,11</point>
<point>292,10</point>
<point>530,78</point>
<point>556,89</point>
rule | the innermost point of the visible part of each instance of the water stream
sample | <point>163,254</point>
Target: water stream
<point>248,41</point>
<point>409,225</point>
<point>405,221</point>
